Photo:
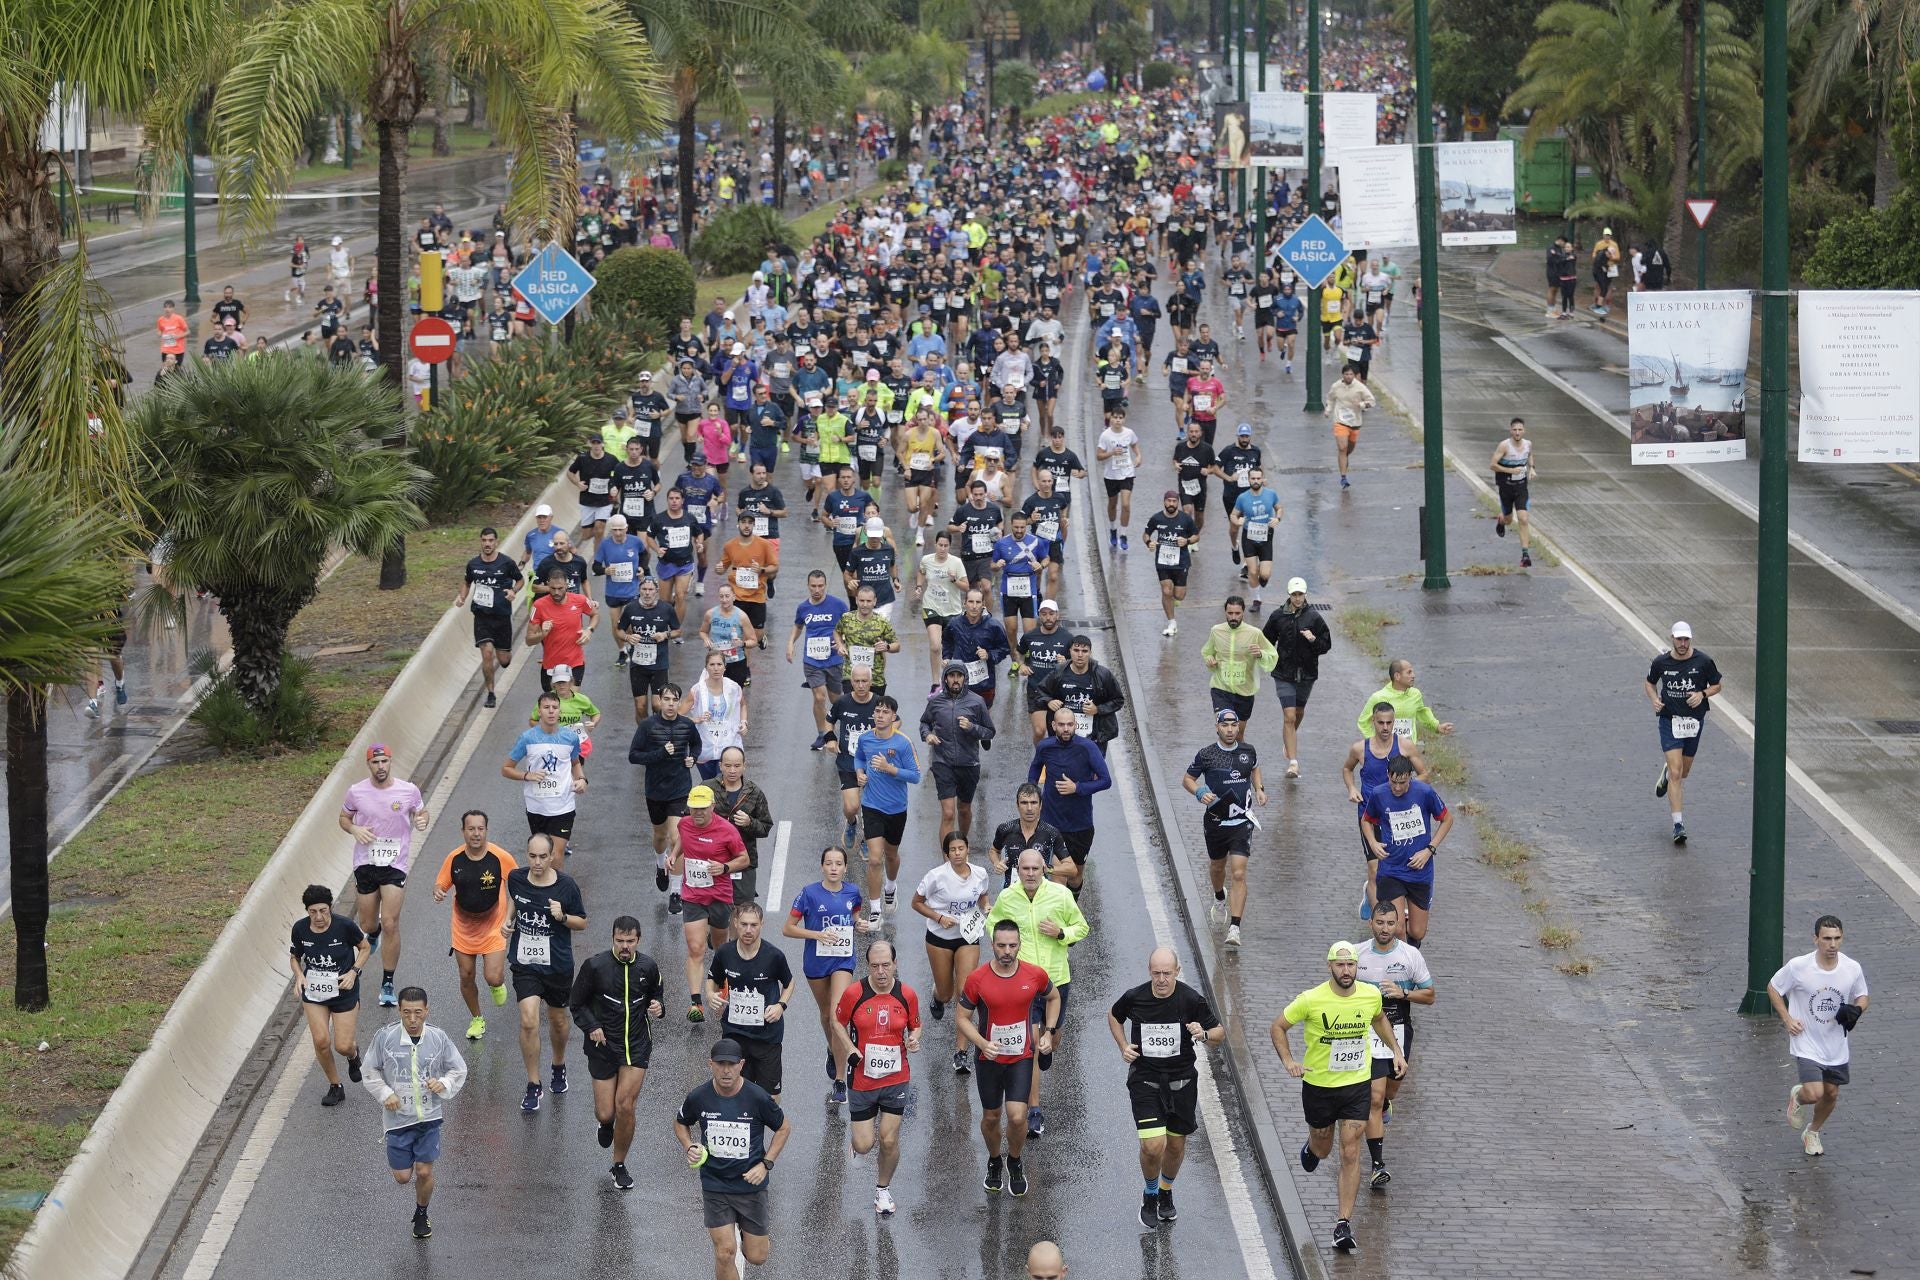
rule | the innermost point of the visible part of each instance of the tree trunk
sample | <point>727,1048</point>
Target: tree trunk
<point>1886,165</point>
<point>926,129</point>
<point>393,300</point>
<point>258,621</point>
<point>27,843</point>
<point>29,220</point>
<point>990,65</point>
<point>779,154</point>
<point>1690,31</point>
<point>689,107</point>
<point>475,94</point>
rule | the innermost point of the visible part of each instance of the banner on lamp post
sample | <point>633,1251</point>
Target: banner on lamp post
<point>1859,376</point>
<point>1476,192</point>
<point>1349,122</point>
<point>1279,129</point>
<point>1687,375</point>
<point>1377,208</point>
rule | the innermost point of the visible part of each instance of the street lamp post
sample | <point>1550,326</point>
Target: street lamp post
<point>1260,176</point>
<point>1767,872</point>
<point>189,239</point>
<point>1432,408</point>
<point>1240,91</point>
<point>1700,138</point>
<point>1311,356</point>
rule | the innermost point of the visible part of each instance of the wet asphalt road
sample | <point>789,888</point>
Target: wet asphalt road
<point>513,1186</point>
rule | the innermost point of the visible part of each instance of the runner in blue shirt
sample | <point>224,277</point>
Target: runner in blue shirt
<point>1405,824</point>
<point>1255,513</point>
<point>622,560</point>
<point>825,915</point>
<point>884,765</point>
<point>1021,557</point>
<point>814,620</point>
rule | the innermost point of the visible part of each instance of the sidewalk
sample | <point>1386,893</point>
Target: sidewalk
<point>1623,1122</point>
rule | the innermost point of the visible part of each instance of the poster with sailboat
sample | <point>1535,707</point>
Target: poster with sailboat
<point>1687,375</point>
<point>1476,192</point>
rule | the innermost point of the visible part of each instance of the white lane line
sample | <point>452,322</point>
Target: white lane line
<point>777,878</point>
<point>253,1159</point>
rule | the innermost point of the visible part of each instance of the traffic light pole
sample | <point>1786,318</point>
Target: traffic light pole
<point>1432,406</point>
<point>1767,874</point>
<point>1310,358</point>
<point>1260,177</point>
<point>1700,140</point>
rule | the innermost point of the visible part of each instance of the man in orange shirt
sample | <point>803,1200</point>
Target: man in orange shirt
<point>476,875</point>
<point>172,327</point>
<point>750,563</point>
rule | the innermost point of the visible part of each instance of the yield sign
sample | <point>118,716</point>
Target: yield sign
<point>1701,209</point>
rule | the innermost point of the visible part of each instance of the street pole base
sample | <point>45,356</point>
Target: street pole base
<point>1314,405</point>
<point>1756,1005</point>
<point>1436,581</point>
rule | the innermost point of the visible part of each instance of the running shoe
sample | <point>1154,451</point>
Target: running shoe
<point>490,701</point>
<point>531,1103</point>
<point>477,1027</point>
<point>93,707</point>
<point>1680,833</point>
<point>883,1202</point>
<point>992,1181</point>
<point>1499,528</point>
<point>499,995</point>
<point>1343,1236</point>
<point>334,1096</point>
<point>1036,1122</point>
<point>422,1228</point>
<point>937,1008</point>
<point>1149,1220</point>
<point>1256,605</point>
<point>621,1178</point>
<point>1308,1160</point>
<point>961,1064</point>
<point>1163,1206</point>
<point>1526,560</point>
<point>1235,551</point>
<point>1366,908</point>
<point>847,835</point>
<point>1293,768</point>
<point>559,1077</point>
<point>1345,483</point>
<point>1017,1173</point>
<point>700,588</point>
<point>839,1093</point>
<point>1233,935</point>
<point>673,904</point>
<point>353,1068</point>
<point>604,1135</point>
<point>1113,539</point>
<point>120,695</point>
<point>820,742</point>
<point>1217,913</point>
<point>1172,627</point>
<point>889,895</point>
<point>1660,787</point>
<point>1796,1110</point>
<point>386,994</point>
<point>1380,1178</point>
<point>1811,1144</point>
<point>1123,542</point>
<point>695,1011</point>
<point>660,881</point>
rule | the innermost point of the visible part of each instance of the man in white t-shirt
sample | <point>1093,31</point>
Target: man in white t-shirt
<point>1818,997</point>
<point>1118,451</point>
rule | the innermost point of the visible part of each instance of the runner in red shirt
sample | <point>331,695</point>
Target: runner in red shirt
<point>882,1017</point>
<point>1206,394</point>
<point>705,855</point>
<point>999,995</point>
<point>561,623</point>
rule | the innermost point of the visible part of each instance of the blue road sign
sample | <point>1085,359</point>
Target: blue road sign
<point>554,282</point>
<point>1313,252</point>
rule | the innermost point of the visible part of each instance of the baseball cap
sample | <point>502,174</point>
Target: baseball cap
<point>1343,951</point>
<point>727,1050</point>
<point>876,526</point>
<point>1296,584</point>
<point>561,673</point>
<point>700,798</point>
<point>1171,494</point>
<point>873,375</point>
<point>1050,604</point>
<point>1226,715</point>
<point>1681,631</point>
<point>543,510</point>
<point>620,411</point>
<point>1246,429</point>
<point>739,348</point>
<point>593,437</point>
<point>379,749</point>
<point>336,240</point>
<point>645,376</point>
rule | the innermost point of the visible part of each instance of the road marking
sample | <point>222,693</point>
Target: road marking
<point>246,1171</point>
<point>776,880</point>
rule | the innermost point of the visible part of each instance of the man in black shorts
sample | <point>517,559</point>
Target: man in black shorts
<point>545,909</point>
<point>976,526</point>
<point>1169,1019</point>
<point>1299,635</point>
<point>749,985</point>
<point>1171,533</point>
<point>741,1131</point>
<point>644,629</point>
<point>1225,777</point>
<point>490,584</point>
<point>614,995</point>
<point>667,746</point>
<point>958,726</point>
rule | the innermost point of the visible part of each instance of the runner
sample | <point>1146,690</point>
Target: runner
<point>942,583</point>
<point>1231,652</point>
<point>825,915</point>
<point>476,875</point>
<point>885,765</point>
<point>1208,396</point>
<point>1396,967</point>
<point>742,1130</point>
<point>382,813</point>
<point>667,745</point>
<point>1347,403</point>
<point>326,955</point>
<point>1512,472</point>
<point>413,1070</point>
<point>1118,450</point>
<point>958,726</point>
<point>1299,635</point>
<point>882,1020</point>
<point>561,623</point>
<point>1413,719</point>
<point>547,910</point>
<point>1042,650</point>
<point>1050,922</point>
<point>1046,509</point>
<point>1172,533</point>
<point>591,474</point>
<point>1818,998</point>
<point>1250,530</point>
<point>1194,461</point>
<point>1027,831</point>
<point>742,803</point>
<point>1404,825</point>
<point>716,704</point>
<point>954,897</point>
<point>491,580</point>
<point>643,630</point>
<point>1336,1079</point>
<point>1287,313</point>
<point>1022,558</point>
<point>1681,682</point>
<point>1372,756</point>
<point>674,538</point>
<point>1225,778</point>
<point>1070,769</point>
<point>706,853</point>
<point>546,760</point>
<point>997,1003</point>
<point>614,995</point>
<point>1170,1019</point>
<point>750,985</point>
<point>622,561</point>
<point>865,638</point>
<point>750,563</point>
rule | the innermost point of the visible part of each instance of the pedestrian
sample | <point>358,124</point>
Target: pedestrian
<point>1681,683</point>
<point>413,1070</point>
<point>1347,403</point>
<point>1606,269</point>
<point>1170,1021</point>
<point>733,1132</point>
<point>1299,635</point>
<point>1819,998</point>
<point>382,813</point>
<point>327,954</point>
<point>615,996</point>
<point>1512,473</point>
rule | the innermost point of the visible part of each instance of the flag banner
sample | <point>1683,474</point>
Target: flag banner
<point>1687,375</point>
<point>1859,376</point>
<point>1349,121</point>
<point>1377,209</point>
<point>1279,129</point>
<point>1475,181</point>
<point>1230,137</point>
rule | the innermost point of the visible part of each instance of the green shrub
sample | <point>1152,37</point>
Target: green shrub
<point>294,721</point>
<point>1870,249</point>
<point>1811,206</point>
<point>657,283</point>
<point>1158,75</point>
<point>892,170</point>
<point>737,240</point>
<point>478,447</point>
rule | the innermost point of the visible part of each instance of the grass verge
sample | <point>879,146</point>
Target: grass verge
<point>803,229</point>
<point>1485,570</point>
<point>1558,937</point>
<point>159,871</point>
<point>1363,626</point>
<point>1445,762</point>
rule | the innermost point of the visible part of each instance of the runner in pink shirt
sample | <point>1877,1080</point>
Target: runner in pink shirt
<point>381,813</point>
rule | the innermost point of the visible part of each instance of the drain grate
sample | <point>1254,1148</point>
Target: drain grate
<point>1905,728</point>
<point>1445,608</point>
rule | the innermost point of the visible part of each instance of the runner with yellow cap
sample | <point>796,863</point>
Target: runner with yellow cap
<point>1337,1076</point>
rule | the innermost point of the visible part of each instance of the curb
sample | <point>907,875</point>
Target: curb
<point>99,1214</point>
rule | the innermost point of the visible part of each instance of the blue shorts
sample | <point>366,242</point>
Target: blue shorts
<point>415,1144</point>
<point>1670,741</point>
<point>1418,893</point>
<point>670,570</point>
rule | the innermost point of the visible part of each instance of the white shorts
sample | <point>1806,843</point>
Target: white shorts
<point>594,515</point>
<point>809,471</point>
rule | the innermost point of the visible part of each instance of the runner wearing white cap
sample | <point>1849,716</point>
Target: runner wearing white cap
<point>1680,684</point>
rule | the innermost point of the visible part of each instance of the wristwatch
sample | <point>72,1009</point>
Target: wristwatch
<point>768,1163</point>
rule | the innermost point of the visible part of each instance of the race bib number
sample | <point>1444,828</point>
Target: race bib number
<point>552,784</point>
<point>860,655</point>
<point>322,984</point>
<point>1191,487</point>
<point>973,925</point>
<point>633,506</point>
<point>1179,364</point>
<point>896,416</point>
<point>646,653</point>
<point>535,950</point>
<point>1242,476</point>
<point>597,485</point>
<point>1009,1039</point>
<point>881,1060</point>
<point>699,873</point>
<point>843,525</point>
<point>1257,530</point>
<point>869,452</point>
<point>1053,293</point>
<point>1373,295</point>
<point>1613,272</point>
<point>1685,726</point>
<point>1347,1055</point>
<point>679,537</point>
<point>1083,723</point>
<point>729,1139</point>
<point>383,853</point>
<point>1378,1047</point>
<point>980,542</point>
<point>1168,553</point>
<point>620,571</point>
<point>761,526</point>
<point>1263,300</point>
<point>482,595</point>
<point>747,578</point>
<point>976,673</point>
<point>819,648</point>
<point>701,515</point>
<point>1406,825</point>
<point>838,943</point>
<point>920,462</point>
<point>1202,403</point>
<point>746,1007</point>
<point>1020,587</point>
<point>1159,1039</point>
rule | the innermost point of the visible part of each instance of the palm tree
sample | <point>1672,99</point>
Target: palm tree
<point>1014,87</point>
<point>926,71</point>
<point>978,20</point>
<point>1876,41</point>
<point>534,59</point>
<point>816,79</point>
<point>261,467</point>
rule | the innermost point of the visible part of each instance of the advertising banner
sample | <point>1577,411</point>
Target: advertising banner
<point>1230,136</point>
<point>1859,376</point>
<point>1279,128</point>
<point>1475,182</point>
<point>1349,122</point>
<point>1377,209</point>
<point>1687,375</point>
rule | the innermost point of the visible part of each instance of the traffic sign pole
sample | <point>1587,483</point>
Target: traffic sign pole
<point>554,283</point>
<point>1433,409</point>
<point>1311,356</point>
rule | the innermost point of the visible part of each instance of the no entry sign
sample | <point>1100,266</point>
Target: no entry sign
<point>432,340</point>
